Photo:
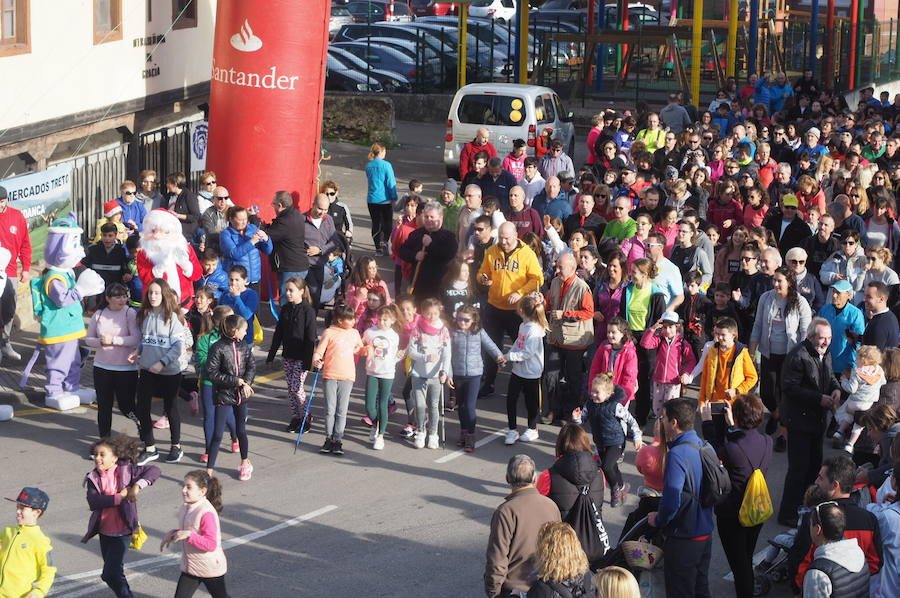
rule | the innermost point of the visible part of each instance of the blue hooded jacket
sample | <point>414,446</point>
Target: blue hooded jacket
<point>843,352</point>
<point>678,519</point>
<point>135,211</point>
<point>217,281</point>
<point>237,250</point>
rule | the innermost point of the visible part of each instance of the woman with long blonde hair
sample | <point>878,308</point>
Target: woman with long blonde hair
<point>562,565</point>
<point>616,582</point>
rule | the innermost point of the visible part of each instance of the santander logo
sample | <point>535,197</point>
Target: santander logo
<point>244,40</point>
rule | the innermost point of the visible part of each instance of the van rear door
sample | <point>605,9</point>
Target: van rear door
<point>506,115</point>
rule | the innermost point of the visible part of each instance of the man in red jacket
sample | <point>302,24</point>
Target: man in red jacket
<point>13,237</point>
<point>836,478</point>
<point>481,143</point>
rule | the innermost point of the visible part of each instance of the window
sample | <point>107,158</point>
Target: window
<point>14,27</point>
<point>107,21</point>
<point>491,109</point>
<point>184,14</point>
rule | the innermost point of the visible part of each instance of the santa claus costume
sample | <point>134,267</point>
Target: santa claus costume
<point>165,254</point>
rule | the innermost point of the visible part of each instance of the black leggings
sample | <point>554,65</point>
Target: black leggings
<point>770,381</point>
<point>382,215</point>
<point>166,387</point>
<point>112,386</point>
<point>188,584</point>
<point>531,387</point>
<point>609,463</point>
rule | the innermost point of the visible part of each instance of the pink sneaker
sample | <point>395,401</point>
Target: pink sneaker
<point>235,446</point>
<point>245,471</point>
<point>204,458</point>
<point>162,423</point>
<point>195,403</point>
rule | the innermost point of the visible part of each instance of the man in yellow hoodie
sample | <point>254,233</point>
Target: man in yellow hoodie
<point>25,569</point>
<point>510,270</point>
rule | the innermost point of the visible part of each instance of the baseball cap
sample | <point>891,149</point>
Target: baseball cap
<point>671,172</point>
<point>670,317</point>
<point>790,200</point>
<point>450,185</point>
<point>32,497</point>
<point>628,166</point>
<point>842,286</point>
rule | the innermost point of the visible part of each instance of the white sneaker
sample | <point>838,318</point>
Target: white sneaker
<point>511,436</point>
<point>378,444</point>
<point>433,441</point>
<point>529,435</point>
<point>372,434</point>
<point>8,351</point>
<point>419,442</point>
<point>848,448</point>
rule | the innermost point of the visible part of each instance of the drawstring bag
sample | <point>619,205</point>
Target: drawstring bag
<point>756,506</point>
<point>257,331</point>
<point>138,538</point>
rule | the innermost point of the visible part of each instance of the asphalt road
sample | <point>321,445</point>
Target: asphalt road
<point>391,523</point>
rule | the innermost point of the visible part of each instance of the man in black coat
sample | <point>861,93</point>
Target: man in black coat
<point>430,250</point>
<point>287,232</point>
<point>809,390</point>
<point>786,224</point>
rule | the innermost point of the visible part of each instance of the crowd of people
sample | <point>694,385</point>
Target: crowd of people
<point>742,253</point>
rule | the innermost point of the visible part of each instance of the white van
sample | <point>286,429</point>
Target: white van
<point>509,111</point>
<point>502,11</point>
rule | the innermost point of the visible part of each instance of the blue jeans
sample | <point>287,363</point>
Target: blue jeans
<point>283,277</point>
<point>466,397</point>
<point>209,415</point>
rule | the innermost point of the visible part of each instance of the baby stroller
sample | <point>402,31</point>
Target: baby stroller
<point>639,550</point>
<point>774,570</point>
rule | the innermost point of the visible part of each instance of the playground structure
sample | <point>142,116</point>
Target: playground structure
<point>844,50</point>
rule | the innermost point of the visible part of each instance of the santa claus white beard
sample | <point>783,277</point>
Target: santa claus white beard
<point>162,254</point>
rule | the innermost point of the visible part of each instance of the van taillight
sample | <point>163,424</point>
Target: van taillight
<point>531,135</point>
<point>448,134</point>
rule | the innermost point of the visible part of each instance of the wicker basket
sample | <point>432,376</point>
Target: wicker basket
<point>641,554</point>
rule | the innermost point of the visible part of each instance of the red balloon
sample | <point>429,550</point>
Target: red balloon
<point>266,93</point>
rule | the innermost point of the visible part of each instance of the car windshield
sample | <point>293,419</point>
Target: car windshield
<point>556,5</point>
<point>497,110</point>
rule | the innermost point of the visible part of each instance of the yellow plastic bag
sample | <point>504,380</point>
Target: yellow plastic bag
<point>138,538</point>
<point>257,331</point>
<point>756,505</point>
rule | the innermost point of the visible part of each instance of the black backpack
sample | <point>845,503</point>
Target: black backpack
<point>585,520</point>
<point>715,485</point>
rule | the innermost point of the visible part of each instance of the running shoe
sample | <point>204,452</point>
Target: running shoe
<point>162,423</point>
<point>245,471</point>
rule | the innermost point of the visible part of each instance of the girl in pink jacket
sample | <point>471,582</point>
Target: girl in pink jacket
<point>617,355</point>
<point>202,557</point>
<point>674,359</point>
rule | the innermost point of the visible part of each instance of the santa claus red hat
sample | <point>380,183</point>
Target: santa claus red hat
<point>111,208</point>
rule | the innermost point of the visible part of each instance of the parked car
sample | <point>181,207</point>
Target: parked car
<point>499,10</point>
<point>391,59</point>
<point>338,78</point>
<point>436,64</point>
<point>365,11</point>
<point>509,111</point>
<point>490,62</point>
<point>339,16</point>
<point>424,8</point>
<point>390,81</point>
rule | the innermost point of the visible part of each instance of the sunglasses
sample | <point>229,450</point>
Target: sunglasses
<point>848,242</point>
<point>871,258</point>
<point>654,244</point>
<point>463,320</point>
<point>797,262</point>
<point>331,193</point>
<point>209,183</point>
<point>822,504</point>
<point>480,229</point>
<point>223,197</point>
<point>128,193</point>
<point>747,258</point>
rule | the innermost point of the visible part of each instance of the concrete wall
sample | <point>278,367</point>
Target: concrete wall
<point>852,97</point>
<point>426,108</point>
<point>359,118</point>
<point>66,73</point>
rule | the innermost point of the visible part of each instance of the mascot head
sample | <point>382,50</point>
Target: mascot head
<point>63,249</point>
<point>162,238</point>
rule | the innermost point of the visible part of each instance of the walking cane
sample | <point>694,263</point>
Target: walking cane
<point>312,393</point>
<point>443,417</point>
<point>412,285</point>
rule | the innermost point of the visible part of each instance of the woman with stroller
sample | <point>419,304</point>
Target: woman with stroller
<point>743,451</point>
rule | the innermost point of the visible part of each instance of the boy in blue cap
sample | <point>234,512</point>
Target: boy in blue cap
<point>25,569</point>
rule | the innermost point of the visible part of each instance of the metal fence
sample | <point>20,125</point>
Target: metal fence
<point>95,179</point>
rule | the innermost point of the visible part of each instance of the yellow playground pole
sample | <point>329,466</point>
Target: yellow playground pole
<point>696,50</point>
<point>730,64</point>
<point>461,50</point>
<point>523,41</point>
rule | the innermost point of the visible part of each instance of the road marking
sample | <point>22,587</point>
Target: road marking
<point>459,453</point>
<point>64,582</point>
<point>269,377</point>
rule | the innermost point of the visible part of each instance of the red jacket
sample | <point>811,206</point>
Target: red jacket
<point>14,237</point>
<point>767,172</point>
<point>672,359</point>
<point>185,283</point>
<point>716,214</point>
<point>624,371</point>
<point>467,156</point>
